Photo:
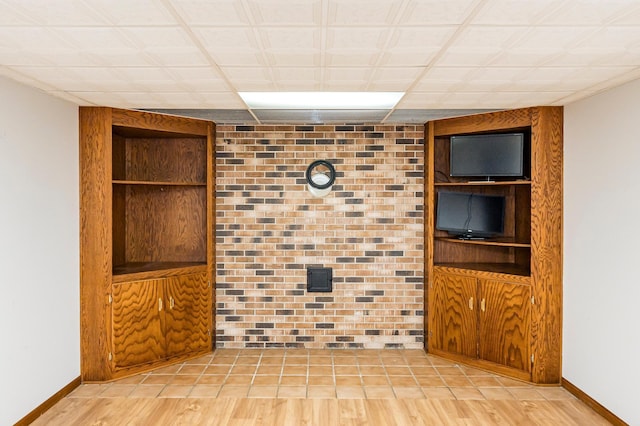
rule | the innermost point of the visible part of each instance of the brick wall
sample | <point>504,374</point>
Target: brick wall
<point>369,229</point>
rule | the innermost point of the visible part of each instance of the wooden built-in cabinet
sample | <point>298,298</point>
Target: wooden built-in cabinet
<point>497,303</point>
<point>483,319</point>
<point>147,201</point>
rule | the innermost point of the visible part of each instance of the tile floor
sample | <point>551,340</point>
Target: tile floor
<point>326,374</point>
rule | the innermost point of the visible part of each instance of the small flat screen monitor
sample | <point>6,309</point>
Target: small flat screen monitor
<point>470,216</point>
<point>487,155</point>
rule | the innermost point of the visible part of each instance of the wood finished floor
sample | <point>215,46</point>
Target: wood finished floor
<point>320,387</point>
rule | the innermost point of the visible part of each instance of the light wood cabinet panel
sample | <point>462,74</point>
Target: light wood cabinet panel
<point>138,335</point>
<point>455,328</point>
<point>504,323</point>
<point>187,313</point>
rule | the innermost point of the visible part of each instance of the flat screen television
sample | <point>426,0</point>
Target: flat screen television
<point>492,155</point>
<point>470,216</point>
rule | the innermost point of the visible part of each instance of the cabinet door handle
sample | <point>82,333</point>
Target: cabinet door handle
<point>172,302</point>
<point>159,304</point>
<point>482,305</point>
<point>471,303</point>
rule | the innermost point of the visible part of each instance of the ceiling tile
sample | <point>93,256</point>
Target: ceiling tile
<point>363,12</point>
<point>287,58</point>
<point>250,79</point>
<point>589,12</point>
<point>212,13</point>
<point>28,12</point>
<point>199,78</point>
<point>294,39</point>
<point>286,12</point>
<point>242,38</point>
<point>353,59</point>
<point>439,79</point>
<point>438,12</point>
<point>356,39</point>
<point>515,12</point>
<point>138,12</point>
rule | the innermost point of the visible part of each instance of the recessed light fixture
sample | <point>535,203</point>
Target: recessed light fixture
<point>321,100</point>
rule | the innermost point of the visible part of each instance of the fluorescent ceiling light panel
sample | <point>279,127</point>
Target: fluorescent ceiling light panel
<point>321,100</point>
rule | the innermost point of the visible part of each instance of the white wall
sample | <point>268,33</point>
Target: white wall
<point>39,248</point>
<point>602,248</point>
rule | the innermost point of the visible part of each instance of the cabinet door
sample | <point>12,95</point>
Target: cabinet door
<point>455,317</point>
<point>137,324</point>
<point>187,314</point>
<point>504,323</point>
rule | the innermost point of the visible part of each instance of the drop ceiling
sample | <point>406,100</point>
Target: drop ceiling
<point>192,57</point>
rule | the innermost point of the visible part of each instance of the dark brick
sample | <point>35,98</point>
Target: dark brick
<point>244,207</point>
<point>305,128</point>
<point>275,148</point>
<point>345,128</point>
<point>354,201</point>
<point>372,332</point>
<point>265,272</point>
<point>245,128</point>
<point>395,253</point>
<point>264,325</point>
<point>266,220</point>
<point>404,141</point>
<point>293,266</point>
<point>364,167</point>
<point>284,311</point>
<point>232,318</point>
<point>324,325</point>
<point>255,201</point>
<point>344,338</point>
<point>324,299</point>
<point>373,253</point>
<point>374,148</point>
<point>265,155</point>
<point>374,292</point>
<point>304,141</point>
<point>304,339</point>
<point>345,260</point>
<point>314,305</point>
<point>364,154</point>
<point>254,332</point>
<point>295,292</point>
<point>285,246</point>
<point>231,292</point>
<point>364,260</point>
<point>364,299</point>
<point>354,280</point>
<point>234,161</point>
<point>354,214</point>
<point>394,187</point>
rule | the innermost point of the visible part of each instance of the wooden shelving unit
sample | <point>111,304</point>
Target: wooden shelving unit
<point>147,204</point>
<point>497,303</point>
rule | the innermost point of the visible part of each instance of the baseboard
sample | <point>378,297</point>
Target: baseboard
<point>593,404</point>
<point>42,408</point>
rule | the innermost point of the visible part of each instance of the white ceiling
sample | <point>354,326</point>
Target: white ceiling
<point>197,54</point>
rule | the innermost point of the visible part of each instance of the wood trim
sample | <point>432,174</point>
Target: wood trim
<point>429,200</point>
<point>95,240</point>
<point>489,366</point>
<point>493,121</point>
<point>546,243</point>
<point>42,408</point>
<point>154,121</point>
<point>592,403</point>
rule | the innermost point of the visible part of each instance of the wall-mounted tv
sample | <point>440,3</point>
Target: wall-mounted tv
<point>491,155</point>
<point>470,216</point>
